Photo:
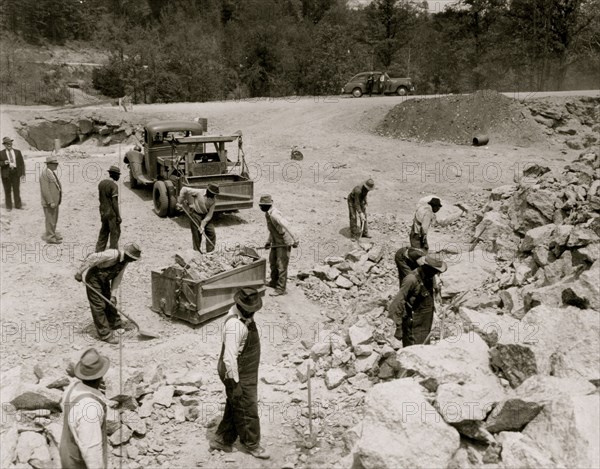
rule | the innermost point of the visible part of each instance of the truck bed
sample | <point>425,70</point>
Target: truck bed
<point>236,192</point>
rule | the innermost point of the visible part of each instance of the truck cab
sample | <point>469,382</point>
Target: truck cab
<point>177,154</point>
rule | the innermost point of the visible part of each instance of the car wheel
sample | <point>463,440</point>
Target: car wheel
<point>402,91</point>
<point>357,92</point>
<point>161,198</point>
<point>172,199</point>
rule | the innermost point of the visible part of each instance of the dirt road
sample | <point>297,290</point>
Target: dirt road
<point>45,316</point>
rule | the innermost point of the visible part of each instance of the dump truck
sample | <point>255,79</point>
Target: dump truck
<point>177,154</point>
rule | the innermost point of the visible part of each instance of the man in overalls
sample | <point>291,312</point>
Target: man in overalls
<point>83,444</point>
<point>238,370</point>
<point>412,308</point>
<point>104,273</point>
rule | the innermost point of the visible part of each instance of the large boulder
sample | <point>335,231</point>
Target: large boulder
<point>517,362</point>
<point>457,403</point>
<point>469,272</point>
<point>42,134</point>
<point>32,445</point>
<point>489,326</point>
<point>539,236</point>
<point>404,432</point>
<point>512,414</point>
<point>567,430</point>
<point>544,389</point>
<point>34,397</point>
<point>521,452</point>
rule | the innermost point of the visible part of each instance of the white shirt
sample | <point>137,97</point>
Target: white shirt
<point>12,161</point>
<point>103,260</point>
<point>234,336</point>
<point>424,218</point>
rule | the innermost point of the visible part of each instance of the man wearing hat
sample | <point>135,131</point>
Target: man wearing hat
<point>281,241</point>
<point>238,370</point>
<point>202,211</point>
<point>424,218</point>
<point>104,273</point>
<point>12,170</point>
<point>357,207</point>
<point>110,215</point>
<point>51,191</point>
<point>412,308</point>
<point>406,261</point>
<point>83,444</point>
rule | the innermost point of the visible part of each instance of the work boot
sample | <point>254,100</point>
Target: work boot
<point>111,339</point>
<point>259,452</point>
<point>366,235</point>
<point>218,445</point>
<point>272,285</point>
<point>277,293</point>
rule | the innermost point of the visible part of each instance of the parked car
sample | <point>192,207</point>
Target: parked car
<point>357,86</point>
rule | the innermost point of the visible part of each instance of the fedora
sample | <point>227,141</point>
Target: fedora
<point>132,250</point>
<point>248,299</point>
<point>431,261</point>
<point>51,159</point>
<point>6,140</point>
<point>114,169</point>
<point>435,202</point>
<point>266,200</point>
<point>213,188</point>
<point>91,366</point>
<point>369,184</point>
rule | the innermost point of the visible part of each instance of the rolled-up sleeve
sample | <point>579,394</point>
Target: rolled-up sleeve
<point>235,334</point>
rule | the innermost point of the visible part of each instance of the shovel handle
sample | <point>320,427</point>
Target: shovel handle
<point>120,311</point>
<point>196,224</point>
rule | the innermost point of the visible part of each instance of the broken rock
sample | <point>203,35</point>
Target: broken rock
<point>334,377</point>
<point>512,415</point>
<point>164,396</point>
<point>516,362</point>
<point>32,445</point>
<point>121,436</point>
<point>520,451</point>
<point>539,236</point>
<point>360,333</point>
<point>366,364</point>
<point>469,401</point>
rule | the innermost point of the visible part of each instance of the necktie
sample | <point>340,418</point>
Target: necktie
<point>11,158</point>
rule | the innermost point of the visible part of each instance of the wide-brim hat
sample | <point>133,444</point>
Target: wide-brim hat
<point>6,140</point>
<point>435,202</point>
<point>248,299</point>
<point>369,184</point>
<point>213,188</point>
<point>114,169</point>
<point>91,366</point>
<point>132,250</point>
<point>51,159</point>
<point>266,200</point>
<point>433,262</point>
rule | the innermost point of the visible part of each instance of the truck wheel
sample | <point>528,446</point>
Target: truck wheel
<point>172,199</point>
<point>401,91</point>
<point>133,184</point>
<point>161,198</point>
<point>357,92</point>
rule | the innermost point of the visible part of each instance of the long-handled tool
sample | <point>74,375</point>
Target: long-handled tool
<point>143,333</point>
<point>197,226</point>
<point>251,252</point>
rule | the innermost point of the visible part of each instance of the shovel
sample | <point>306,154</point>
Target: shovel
<point>141,332</point>
<point>197,226</point>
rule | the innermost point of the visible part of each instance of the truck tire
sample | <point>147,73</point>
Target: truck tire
<point>161,198</point>
<point>357,92</point>
<point>133,184</point>
<point>172,199</point>
<point>401,91</point>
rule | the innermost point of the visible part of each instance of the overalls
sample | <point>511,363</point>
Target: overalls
<point>105,316</point>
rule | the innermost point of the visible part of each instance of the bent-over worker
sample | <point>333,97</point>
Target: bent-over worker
<point>357,208</point>
<point>412,308</point>
<point>83,444</point>
<point>424,218</point>
<point>238,370</point>
<point>202,210</point>
<point>406,261</point>
<point>110,215</point>
<point>281,241</point>
<point>104,273</point>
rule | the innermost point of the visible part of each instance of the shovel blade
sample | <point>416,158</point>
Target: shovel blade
<point>249,252</point>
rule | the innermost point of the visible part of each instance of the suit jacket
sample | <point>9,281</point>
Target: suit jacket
<point>50,188</point>
<point>18,160</point>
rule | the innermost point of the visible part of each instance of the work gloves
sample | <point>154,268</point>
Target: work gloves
<point>78,277</point>
<point>237,392</point>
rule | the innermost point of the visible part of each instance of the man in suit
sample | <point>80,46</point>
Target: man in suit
<point>51,198</point>
<point>12,170</point>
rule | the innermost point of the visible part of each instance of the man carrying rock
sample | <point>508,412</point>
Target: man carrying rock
<point>83,444</point>
<point>357,208</point>
<point>281,241</point>
<point>424,218</point>
<point>104,273</point>
<point>406,261</point>
<point>110,216</point>
<point>238,370</point>
<point>51,191</point>
<point>202,209</point>
<point>412,308</point>
<point>12,170</point>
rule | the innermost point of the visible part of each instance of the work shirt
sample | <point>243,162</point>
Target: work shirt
<point>103,260</point>
<point>357,199</point>
<point>107,190</point>
<point>417,292</point>
<point>424,218</point>
<point>279,231</point>
<point>235,333</point>
<point>197,199</point>
<point>85,421</point>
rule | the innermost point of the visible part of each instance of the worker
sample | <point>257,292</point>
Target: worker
<point>83,443</point>
<point>412,308</point>
<point>357,207</point>
<point>104,274</point>
<point>424,218</point>
<point>406,261</point>
<point>110,215</point>
<point>281,241</point>
<point>238,370</point>
<point>202,210</point>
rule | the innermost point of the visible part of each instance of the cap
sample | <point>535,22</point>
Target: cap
<point>114,169</point>
<point>435,202</point>
<point>6,140</point>
<point>266,200</point>
<point>369,184</point>
<point>133,250</point>
<point>51,159</point>
<point>91,366</point>
<point>431,261</point>
<point>213,188</point>
<point>248,299</point>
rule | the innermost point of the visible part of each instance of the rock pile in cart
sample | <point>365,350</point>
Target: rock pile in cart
<point>195,266</point>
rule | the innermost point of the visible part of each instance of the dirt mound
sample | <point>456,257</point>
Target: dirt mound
<point>457,119</point>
